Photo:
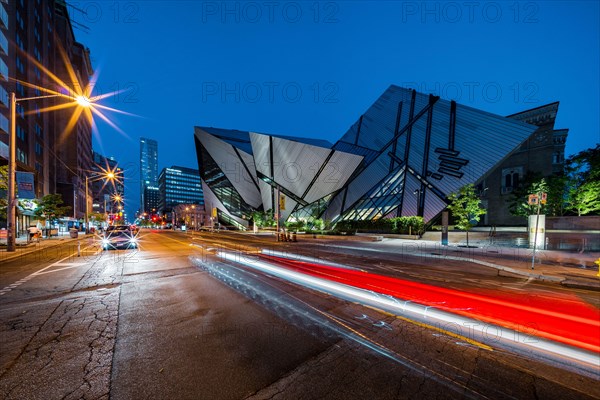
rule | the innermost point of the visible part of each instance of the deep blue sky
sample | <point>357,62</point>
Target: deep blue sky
<point>311,68</point>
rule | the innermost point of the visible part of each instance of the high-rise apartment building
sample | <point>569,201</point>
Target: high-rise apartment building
<point>38,35</point>
<point>148,169</point>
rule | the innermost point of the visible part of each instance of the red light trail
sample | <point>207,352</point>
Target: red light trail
<point>567,319</point>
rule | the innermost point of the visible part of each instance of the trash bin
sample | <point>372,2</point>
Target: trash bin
<point>74,233</point>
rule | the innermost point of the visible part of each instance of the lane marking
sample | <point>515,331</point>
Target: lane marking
<point>178,241</point>
<point>435,328</point>
<point>43,270</point>
<point>66,266</point>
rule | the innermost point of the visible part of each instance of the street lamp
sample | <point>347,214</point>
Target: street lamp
<point>195,220</point>
<point>110,175</point>
<point>12,163</point>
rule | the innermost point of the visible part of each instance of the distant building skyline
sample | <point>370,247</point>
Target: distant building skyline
<point>103,191</point>
<point>148,170</point>
<point>179,185</point>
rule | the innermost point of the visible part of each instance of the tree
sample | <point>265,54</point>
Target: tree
<point>531,183</point>
<point>97,218</point>
<point>50,208</point>
<point>557,190</point>
<point>583,172</point>
<point>263,219</point>
<point>585,199</point>
<point>465,208</point>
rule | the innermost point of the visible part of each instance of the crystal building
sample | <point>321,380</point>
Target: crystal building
<point>402,157</point>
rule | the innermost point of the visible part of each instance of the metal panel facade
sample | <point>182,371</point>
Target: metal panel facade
<point>402,157</point>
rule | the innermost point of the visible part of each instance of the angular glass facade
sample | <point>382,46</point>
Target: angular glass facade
<point>222,187</point>
<point>402,157</point>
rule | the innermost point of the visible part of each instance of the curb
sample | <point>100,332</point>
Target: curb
<point>567,282</point>
<point>27,250</point>
<point>508,271</point>
<point>578,284</point>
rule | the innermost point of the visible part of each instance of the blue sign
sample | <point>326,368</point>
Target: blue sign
<point>25,186</point>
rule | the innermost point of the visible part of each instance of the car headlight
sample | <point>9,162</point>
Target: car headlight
<point>133,240</point>
<point>105,242</point>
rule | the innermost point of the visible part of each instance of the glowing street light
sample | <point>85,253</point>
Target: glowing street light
<point>83,101</point>
<point>12,164</point>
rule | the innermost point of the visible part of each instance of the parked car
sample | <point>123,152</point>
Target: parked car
<point>119,237</point>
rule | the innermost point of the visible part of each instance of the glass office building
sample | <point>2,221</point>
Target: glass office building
<point>402,157</point>
<point>178,185</point>
<point>148,169</point>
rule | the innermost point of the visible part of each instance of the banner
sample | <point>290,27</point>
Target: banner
<point>25,186</point>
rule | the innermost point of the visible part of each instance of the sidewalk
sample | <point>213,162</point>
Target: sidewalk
<point>576,270</point>
<point>24,248</point>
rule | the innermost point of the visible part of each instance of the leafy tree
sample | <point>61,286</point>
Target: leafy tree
<point>557,195</point>
<point>586,164</point>
<point>50,208</point>
<point>531,183</point>
<point>465,208</point>
<point>97,217</point>
<point>585,199</point>
<point>583,172</point>
<point>263,219</point>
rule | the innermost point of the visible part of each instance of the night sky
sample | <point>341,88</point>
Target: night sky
<point>312,68</point>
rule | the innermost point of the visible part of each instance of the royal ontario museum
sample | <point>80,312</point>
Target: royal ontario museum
<point>402,157</point>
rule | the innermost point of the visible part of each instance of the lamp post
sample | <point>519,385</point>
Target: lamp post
<point>87,221</point>
<point>195,221</point>
<point>12,163</point>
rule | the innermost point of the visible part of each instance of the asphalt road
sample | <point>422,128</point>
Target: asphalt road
<point>173,321</point>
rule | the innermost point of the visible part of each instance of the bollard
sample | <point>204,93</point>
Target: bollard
<point>597,262</point>
<point>294,237</point>
<point>78,248</point>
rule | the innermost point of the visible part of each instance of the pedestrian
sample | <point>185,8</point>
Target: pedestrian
<point>33,233</point>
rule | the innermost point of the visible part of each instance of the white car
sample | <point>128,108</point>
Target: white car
<point>119,237</point>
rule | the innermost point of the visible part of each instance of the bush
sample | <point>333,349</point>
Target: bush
<point>402,225</point>
<point>296,226</point>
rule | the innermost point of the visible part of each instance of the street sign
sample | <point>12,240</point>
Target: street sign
<point>282,202</point>
<point>544,198</point>
<point>533,200</point>
<point>214,212</point>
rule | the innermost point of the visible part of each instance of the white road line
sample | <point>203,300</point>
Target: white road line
<point>68,266</point>
<point>43,270</point>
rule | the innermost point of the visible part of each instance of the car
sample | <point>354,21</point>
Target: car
<point>119,237</point>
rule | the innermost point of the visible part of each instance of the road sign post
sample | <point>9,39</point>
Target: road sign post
<point>536,199</point>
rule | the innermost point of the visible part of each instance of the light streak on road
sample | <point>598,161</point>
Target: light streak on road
<point>414,309</point>
<point>579,326</point>
<point>314,317</point>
